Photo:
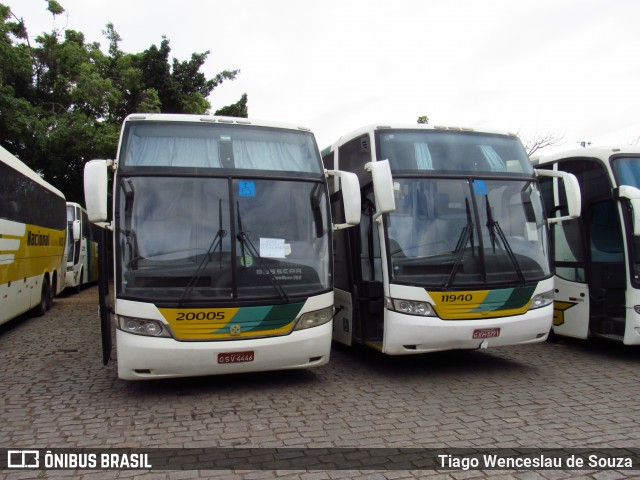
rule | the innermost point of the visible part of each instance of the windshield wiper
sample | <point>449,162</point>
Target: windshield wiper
<point>465,236</point>
<point>495,228</point>
<point>245,242</point>
<point>215,243</point>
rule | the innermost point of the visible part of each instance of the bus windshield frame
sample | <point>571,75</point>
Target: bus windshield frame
<point>467,217</point>
<point>252,228</point>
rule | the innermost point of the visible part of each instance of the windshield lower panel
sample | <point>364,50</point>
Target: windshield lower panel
<point>189,240</point>
<point>459,233</point>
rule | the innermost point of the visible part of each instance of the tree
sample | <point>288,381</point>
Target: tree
<point>62,99</point>
<point>540,141</point>
<point>423,119</point>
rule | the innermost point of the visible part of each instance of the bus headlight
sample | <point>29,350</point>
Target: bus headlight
<point>410,307</point>
<point>139,326</point>
<point>315,319</point>
<point>541,300</point>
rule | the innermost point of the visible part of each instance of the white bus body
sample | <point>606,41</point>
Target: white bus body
<point>81,250</point>
<point>462,262</point>
<point>222,240</point>
<point>32,239</point>
<point>597,256</point>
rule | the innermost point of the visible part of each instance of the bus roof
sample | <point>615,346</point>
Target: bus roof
<point>14,162</point>
<point>174,117</point>
<point>599,152</point>
<point>408,126</point>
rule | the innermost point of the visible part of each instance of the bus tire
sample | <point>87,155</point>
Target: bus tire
<point>45,299</point>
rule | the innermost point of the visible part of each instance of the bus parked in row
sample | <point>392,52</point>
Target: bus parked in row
<point>462,262</point>
<point>597,255</point>
<point>222,244</point>
<point>82,248</point>
<point>32,239</point>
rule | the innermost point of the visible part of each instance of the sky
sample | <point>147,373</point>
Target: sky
<point>570,68</point>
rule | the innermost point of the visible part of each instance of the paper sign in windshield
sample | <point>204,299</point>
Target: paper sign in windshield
<point>272,247</point>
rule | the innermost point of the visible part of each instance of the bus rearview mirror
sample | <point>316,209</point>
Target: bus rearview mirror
<point>95,189</point>
<point>382,186</point>
<point>572,189</point>
<point>75,230</point>
<point>350,191</point>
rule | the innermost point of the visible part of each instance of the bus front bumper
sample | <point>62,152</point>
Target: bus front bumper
<point>143,358</point>
<point>409,334</point>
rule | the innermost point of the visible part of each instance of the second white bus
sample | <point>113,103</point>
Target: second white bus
<point>462,262</point>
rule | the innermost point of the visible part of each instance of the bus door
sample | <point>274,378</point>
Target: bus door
<point>571,306</point>
<point>368,289</point>
<point>607,279</point>
<point>571,300</point>
<point>359,291</point>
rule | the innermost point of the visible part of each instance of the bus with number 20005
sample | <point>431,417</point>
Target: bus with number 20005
<point>222,246</point>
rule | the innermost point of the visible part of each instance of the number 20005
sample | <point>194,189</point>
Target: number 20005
<point>457,298</point>
<point>200,316</point>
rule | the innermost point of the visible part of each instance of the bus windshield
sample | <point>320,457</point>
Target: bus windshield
<point>190,239</point>
<point>627,171</point>
<point>189,145</point>
<point>452,151</point>
<point>461,232</point>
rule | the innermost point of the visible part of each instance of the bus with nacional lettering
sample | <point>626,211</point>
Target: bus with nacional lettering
<point>597,255</point>
<point>82,248</point>
<point>32,239</point>
<point>460,259</point>
<point>222,246</point>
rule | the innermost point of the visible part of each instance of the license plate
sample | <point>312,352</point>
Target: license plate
<point>486,333</point>
<point>235,357</point>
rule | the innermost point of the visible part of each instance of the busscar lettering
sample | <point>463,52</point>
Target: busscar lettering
<point>283,274</point>
<point>37,239</point>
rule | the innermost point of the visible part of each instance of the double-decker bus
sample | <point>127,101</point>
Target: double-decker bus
<point>32,239</point>
<point>463,260</point>
<point>597,256</point>
<point>222,246</point>
<point>82,248</point>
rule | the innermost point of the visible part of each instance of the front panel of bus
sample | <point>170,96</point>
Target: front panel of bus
<point>222,250</point>
<point>467,254</point>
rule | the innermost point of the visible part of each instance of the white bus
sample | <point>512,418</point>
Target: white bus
<point>32,239</point>
<point>222,244</point>
<point>597,256</point>
<point>463,260</point>
<point>82,248</point>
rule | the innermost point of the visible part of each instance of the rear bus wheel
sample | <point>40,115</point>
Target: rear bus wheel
<point>45,299</point>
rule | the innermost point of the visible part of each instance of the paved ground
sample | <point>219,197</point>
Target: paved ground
<point>56,393</point>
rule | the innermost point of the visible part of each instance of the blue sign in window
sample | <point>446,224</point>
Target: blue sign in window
<point>247,188</point>
<point>479,187</point>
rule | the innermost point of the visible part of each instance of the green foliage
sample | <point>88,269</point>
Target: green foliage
<point>62,100</point>
<point>423,119</point>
